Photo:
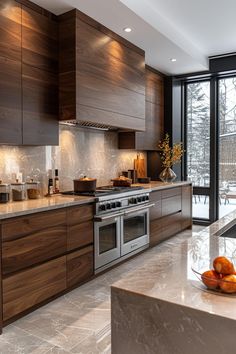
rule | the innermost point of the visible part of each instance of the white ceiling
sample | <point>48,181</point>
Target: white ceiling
<point>187,30</point>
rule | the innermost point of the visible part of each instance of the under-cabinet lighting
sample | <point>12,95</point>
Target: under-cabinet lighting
<point>173,60</point>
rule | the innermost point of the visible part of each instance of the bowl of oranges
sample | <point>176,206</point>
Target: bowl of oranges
<point>221,277</point>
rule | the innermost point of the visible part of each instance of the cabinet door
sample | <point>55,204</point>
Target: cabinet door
<point>39,79</point>
<point>186,207</point>
<point>10,73</point>
<point>30,287</point>
<point>40,107</point>
<point>10,102</point>
<point>10,30</point>
<point>39,41</point>
<point>79,266</point>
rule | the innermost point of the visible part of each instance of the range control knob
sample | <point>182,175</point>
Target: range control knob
<point>102,207</point>
<point>147,197</point>
<point>139,199</point>
<point>118,204</point>
<point>108,206</point>
<point>113,205</point>
<point>143,199</point>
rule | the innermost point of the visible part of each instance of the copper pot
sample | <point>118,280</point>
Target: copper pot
<point>85,184</point>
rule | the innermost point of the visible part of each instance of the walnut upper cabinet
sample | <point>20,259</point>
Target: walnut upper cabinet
<point>102,76</point>
<point>28,75</point>
<point>149,139</point>
<point>10,73</point>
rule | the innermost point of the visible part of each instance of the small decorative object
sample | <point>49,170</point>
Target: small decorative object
<point>169,156</point>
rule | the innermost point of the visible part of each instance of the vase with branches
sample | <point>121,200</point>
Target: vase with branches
<point>169,157</point>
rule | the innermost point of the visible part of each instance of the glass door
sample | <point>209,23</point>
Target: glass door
<point>198,146</point>
<point>227,144</point>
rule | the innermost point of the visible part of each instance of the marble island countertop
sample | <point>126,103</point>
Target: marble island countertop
<point>168,275</point>
<point>161,307</point>
<point>14,209</point>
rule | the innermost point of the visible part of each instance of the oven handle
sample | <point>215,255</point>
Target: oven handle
<point>107,217</point>
<point>140,208</point>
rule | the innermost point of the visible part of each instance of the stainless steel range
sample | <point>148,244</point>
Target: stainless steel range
<point>121,224</point>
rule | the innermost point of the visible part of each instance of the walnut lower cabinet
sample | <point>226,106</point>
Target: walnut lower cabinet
<point>171,214</point>
<point>43,255</point>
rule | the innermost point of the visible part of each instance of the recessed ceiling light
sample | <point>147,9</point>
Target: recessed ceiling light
<point>127,29</point>
<point>173,60</point>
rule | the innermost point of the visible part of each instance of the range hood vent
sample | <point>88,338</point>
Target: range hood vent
<point>90,125</point>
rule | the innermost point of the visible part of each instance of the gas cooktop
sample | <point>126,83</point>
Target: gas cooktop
<point>103,191</point>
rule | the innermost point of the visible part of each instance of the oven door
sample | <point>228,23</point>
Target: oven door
<point>107,240</point>
<point>134,230</point>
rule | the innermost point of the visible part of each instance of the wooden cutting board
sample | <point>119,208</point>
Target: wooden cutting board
<point>140,167</point>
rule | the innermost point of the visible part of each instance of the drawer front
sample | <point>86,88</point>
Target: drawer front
<point>155,232</point>
<point>80,235</point>
<point>26,225</point>
<point>171,192</point>
<point>80,266</point>
<point>30,287</point>
<point>171,225</point>
<point>155,211</point>
<point>80,214</point>
<point>155,196</point>
<point>35,248</point>
<point>171,205</point>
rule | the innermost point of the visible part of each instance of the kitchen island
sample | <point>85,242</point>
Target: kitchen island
<point>162,307</point>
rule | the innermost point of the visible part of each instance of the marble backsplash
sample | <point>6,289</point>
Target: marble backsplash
<point>80,152</point>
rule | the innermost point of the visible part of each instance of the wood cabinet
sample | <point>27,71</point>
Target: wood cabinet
<point>28,75</point>
<point>154,111</point>
<point>102,76</point>
<point>39,79</point>
<point>30,287</point>
<point>79,266</point>
<point>43,254</point>
<point>171,214</point>
<point>10,73</point>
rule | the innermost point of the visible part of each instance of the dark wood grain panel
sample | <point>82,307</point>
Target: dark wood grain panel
<point>39,41</point>
<point>171,192</point>
<point>97,93</point>
<point>154,113</point>
<point>79,266</point>
<point>154,87</point>
<point>105,58</point>
<point>109,78</point>
<point>10,30</point>
<point>10,102</point>
<point>30,287</point>
<point>79,214</point>
<point>40,246</point>
<point>80,235</point>
<point>171,205</point>
<point>13,229</point>
<point>186,207</point>
<point>31,5</point>
<point>171,225</point>
<point>40,107</point>
<point>156,235</point>
<point>156,210</point>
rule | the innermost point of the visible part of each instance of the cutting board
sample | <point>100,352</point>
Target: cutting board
<point>140,167</point>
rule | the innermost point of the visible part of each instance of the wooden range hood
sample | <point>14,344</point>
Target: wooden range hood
<point>101,76</point>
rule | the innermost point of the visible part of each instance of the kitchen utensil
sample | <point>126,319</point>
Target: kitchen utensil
<point>85,184</point>
<point>139,166</point>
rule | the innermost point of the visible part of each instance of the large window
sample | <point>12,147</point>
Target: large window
<point>227,145</point>
<point>198,144</point>
<point>198,133</point>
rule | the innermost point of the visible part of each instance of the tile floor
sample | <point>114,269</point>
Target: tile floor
<point>78,322</point>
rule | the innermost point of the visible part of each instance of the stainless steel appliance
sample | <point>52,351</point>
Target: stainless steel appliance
<point>121,225</point>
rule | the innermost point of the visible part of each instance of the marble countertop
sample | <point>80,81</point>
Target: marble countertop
<point>158,185</point>
<point>14,209</point>
<point>168,276</point>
